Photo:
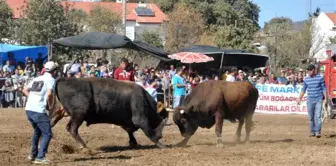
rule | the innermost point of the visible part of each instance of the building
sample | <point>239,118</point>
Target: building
<point>323,28</point>
<point>139,17</point>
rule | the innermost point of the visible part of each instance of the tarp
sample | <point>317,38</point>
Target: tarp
<point>21,52</point>
<point>102,40</point>
<point>231,57</point>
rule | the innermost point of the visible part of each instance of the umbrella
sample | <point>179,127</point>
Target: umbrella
<point>191,57</point>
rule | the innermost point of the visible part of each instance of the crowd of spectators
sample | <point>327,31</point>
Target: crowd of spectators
<point>168,84</point>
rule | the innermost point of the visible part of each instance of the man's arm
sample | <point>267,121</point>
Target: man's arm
<point>303,91</point>
<point>116,74</point>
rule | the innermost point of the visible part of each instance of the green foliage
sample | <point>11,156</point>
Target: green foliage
<point>332,40</point>
<point>184,28</point>
<point>152,37</point>
<point>44,21</point>
<point>233,23</point>
<point>6,15</point>
<point>104,20</point>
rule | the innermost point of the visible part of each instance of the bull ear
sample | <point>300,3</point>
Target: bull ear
<point>159,107</point>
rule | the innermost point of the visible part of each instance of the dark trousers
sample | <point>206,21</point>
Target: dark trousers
<point>42,127</point>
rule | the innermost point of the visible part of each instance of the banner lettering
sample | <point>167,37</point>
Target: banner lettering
<point>280,99</point>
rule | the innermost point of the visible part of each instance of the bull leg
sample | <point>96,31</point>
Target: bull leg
<point>248,127</point>
<point>219,126</point>
<point>240,125</point>
<point>183,142</point>
<point>72,128</point>
<point>132,141</point>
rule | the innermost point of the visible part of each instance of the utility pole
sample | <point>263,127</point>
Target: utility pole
<point>124,16</point>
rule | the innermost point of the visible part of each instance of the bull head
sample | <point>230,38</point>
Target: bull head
<point>184,120</point>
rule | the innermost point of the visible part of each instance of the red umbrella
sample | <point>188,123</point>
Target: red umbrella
<point>191,57</point>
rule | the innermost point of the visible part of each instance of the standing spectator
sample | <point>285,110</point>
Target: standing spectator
<point>124,72</point>
<point>179,88</point>
<point>75,68</point>
<point>232,76</point>
<point>282,80</point>
<point>316,90</point>
<point>172,71</point>
<point>7,67</point>
<point>40,93</point>
<point>241,76</point>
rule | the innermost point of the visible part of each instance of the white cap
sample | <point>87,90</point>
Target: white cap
<point>49,66</point>
<point>240,71</point>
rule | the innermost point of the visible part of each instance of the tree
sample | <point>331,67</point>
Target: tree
<point>184,27</point>
<point>152,37</point>
<point>6,15</point>
<point>104,20</point>
<point>77,15</point>
<point>332,40</point>
<point>44,21</point>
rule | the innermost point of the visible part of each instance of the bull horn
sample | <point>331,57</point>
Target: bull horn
<point>159,107</point>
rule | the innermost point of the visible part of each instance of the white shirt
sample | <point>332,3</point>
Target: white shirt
<point>37,99</point>
<point>230,78</point>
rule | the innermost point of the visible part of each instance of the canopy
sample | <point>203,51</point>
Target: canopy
<point>102,40</point>
<point>19,53</point>
<point>230,57</point>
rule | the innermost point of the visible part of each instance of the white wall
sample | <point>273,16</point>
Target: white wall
<point>321,32</point>
<point>141,27</point>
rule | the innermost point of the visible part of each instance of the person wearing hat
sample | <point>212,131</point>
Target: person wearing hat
<point>40,93</point>
<point>316,91</point>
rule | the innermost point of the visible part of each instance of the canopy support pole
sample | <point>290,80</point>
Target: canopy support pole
<point>221,64</point>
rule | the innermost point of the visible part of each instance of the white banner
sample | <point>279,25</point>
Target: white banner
<point>280,99</point>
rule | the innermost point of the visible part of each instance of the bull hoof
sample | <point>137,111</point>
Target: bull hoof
<point>133,145</point>
<point>181,144</point>
<point>219,145</point>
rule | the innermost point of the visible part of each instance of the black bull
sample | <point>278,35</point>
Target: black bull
<point>96,100</point>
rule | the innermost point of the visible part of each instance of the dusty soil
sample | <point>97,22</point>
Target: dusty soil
<point>276,140</point>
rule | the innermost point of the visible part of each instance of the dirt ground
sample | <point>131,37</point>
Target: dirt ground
<point>276,140</point>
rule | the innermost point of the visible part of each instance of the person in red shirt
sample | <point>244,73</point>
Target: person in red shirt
<point>124,72</point>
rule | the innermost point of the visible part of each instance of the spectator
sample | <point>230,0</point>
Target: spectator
<point>75,68</point>
<point>282,79</point>
<point>172,71</point>
<point>232,76</point>
<point>7,67</point>
<point>124,72</point>
<point>241,76</point>
<point>179,88</point>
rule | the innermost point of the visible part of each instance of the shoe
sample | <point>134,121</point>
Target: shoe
<point>31,158</point>
<point>318,135</point>
<point>312,135</point>
<point>41,161</point>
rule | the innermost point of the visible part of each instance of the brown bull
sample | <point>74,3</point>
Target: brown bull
<point>212,102</point>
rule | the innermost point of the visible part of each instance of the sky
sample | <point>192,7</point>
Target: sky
<point>297,10</point>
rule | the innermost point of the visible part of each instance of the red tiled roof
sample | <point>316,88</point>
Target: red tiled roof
<point>159,17</point>
<point>332,17</point>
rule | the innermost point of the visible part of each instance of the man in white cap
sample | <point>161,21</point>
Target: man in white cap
<point>40,93</point>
